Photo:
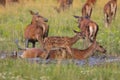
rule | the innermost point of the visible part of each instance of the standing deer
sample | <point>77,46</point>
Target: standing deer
<point>88,27</point>
<point>110,9</point>
<point>61,42</point>
<point>63,4</point>
<point>37,30</point>
<point>87,9</point>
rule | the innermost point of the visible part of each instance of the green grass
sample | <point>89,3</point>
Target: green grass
<point>14,19</point>
<point>22,70</point>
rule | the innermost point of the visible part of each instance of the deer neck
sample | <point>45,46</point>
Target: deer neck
<point>89,51</point>
<point>74,39</point>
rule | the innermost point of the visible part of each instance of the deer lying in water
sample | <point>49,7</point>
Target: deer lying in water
<point>88,27</point>
<point>37,30</point>
<point>87,9</point>
<point>63,54</point>
<point>110,11</point>
<point>61,42</point>
<point>80,54</point>
<point>63,4</point>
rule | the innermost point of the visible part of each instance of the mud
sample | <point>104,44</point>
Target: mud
<point>91,61</point>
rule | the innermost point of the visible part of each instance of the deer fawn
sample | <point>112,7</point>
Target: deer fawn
<point>88,28</point>
<point>61,42</point>
<point>37,30</point>
<point>110,11</point>
<point>62,53</point>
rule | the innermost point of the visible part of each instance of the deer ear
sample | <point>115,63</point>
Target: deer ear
<point>37,13</point>
<point>75,31</point>
<point>31,12</point>
<point>45,19</point>
<point>76,16</point>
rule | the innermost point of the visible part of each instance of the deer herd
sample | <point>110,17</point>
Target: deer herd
<point>54,47</point>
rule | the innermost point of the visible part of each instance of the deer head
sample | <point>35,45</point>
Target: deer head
<point>37,18</point>
<point>80,18</point>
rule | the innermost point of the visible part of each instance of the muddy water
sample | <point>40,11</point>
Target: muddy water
<point>90,61</point>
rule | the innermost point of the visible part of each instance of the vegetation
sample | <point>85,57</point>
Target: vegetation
<point>22,70</point>
<point>15,17</point>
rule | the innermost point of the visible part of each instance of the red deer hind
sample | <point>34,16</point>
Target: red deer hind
<point>61,42</point>
<point>110,11</point>
<point>37,30</point>
<point>88,27</point>
<point>87,9</point>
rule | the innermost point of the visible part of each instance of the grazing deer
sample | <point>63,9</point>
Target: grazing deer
<point>37,30</point>
<point>88,27</point>
<point>87,9</point>
<point>63,4</point>
<point>61,42</point>
<point>110,11</point>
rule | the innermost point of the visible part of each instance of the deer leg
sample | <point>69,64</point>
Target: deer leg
<point>114,14</point>
<point>33,44</point>
<point>47,55</point>
<point>69,51</point>
<point>40,40</point>
<point>110,19</point>
<point>87,40</point>
<point>26,43</point>
<point>106,20</point>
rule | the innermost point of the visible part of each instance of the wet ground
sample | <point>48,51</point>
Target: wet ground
<point>94,60</point>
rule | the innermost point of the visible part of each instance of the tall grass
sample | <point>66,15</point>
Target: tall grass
<point>13,20</point>
<point>22,70</point>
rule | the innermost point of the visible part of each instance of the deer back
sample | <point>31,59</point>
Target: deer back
<point>56,41</point>
<point>37,28</point>
<point>33,53</point>
<point>87,9</point>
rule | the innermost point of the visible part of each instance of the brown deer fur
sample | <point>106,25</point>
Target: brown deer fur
<point>33,53</point>
<point>88,27</point>
<point>92,1</point>
<point>4,2</point>
<point>63,4</point>
<point>80,54</point>
<point>110,11</point>
<point>62,53</point>
<point>37,30</point>
<point>87,9</point>
<point>61,42</point>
